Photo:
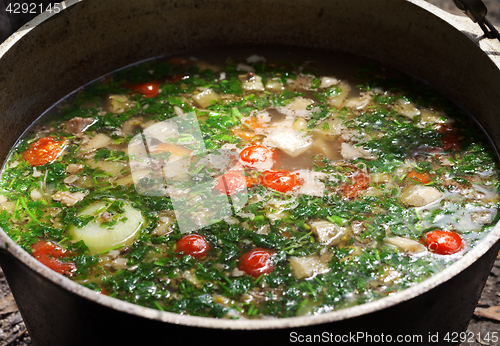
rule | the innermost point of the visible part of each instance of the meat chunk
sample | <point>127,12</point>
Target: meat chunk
<point>74,168</point>
<point>302,82</point>
<point>68,198</point>
<point>328,233</point>
<point>78,125</point>
<point>407,245</point>
<point>131,125</point>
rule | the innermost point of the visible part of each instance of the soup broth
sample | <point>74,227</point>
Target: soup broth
<point>243,185</point>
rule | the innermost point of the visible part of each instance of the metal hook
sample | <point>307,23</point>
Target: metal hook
<point>476,10</point>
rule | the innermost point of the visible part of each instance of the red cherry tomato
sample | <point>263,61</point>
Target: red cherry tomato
<point>176,77</point>
<point>148,90</point>
<point>257,154</point>
<point>232,182</point>
<point>257,262</point>
<point>282,181</point>
<point>450,142</point>
<point>49,253</point>
<point>193,245</point>
<point>450,139</point>
<point>443,242</point>
<point>43,151</point>
<point>360,181</point>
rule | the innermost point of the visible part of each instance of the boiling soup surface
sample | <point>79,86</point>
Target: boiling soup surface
<point>250,186</point>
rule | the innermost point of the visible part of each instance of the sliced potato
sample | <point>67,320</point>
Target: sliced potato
<point>117,103</point>
<point>407,108</point>
<point>307,266</point>
<point>331,127</point>
<point>299,107</point>
<point>206,98</point>
<point>428,117</point>
<point>419,195</point>
<point>111,167</point>
<point>99,141</point>
<point>337,100</point>
<point>274,85</point>
<point>251,83</point>
<point>126,180</point>
<point>290,141</point>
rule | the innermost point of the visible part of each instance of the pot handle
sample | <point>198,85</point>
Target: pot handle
<point>476,10</point>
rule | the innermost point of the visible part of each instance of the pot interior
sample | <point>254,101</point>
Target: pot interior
<point>85,42</point>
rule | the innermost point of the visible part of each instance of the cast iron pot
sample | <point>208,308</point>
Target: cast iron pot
<point>55,54</point>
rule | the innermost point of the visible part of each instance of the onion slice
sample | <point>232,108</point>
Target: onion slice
<point>108,229</point>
